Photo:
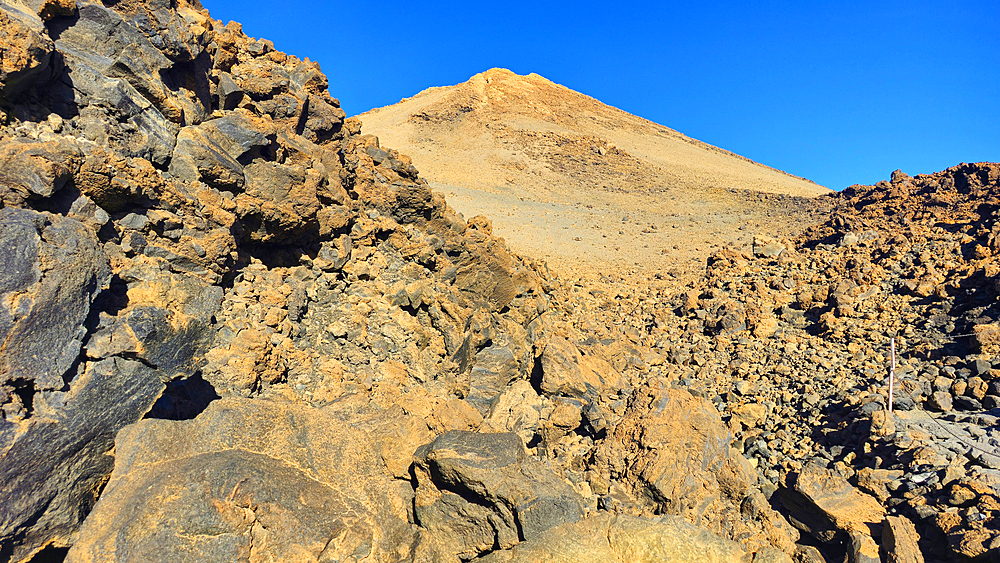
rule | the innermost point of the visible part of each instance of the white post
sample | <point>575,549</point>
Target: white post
<point>892,372</point>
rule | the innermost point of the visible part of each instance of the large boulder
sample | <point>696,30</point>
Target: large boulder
<point>609,537</point>
<point>52,270</point>
<point>480,491</point>
<point>35,170</point>
<point>823,504</point>
<point>248,479</point>
<point>674,452</point>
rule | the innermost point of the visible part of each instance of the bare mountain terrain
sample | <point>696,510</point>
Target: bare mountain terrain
<point>574,181</point>
<point>235,328</point>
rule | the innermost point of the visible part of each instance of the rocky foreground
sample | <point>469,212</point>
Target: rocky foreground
<point>236,329</point>
<point>792,344</point>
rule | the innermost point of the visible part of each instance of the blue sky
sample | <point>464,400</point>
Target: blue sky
<point>838,92</point>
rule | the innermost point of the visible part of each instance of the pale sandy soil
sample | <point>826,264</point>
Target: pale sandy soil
<point>634,234</point>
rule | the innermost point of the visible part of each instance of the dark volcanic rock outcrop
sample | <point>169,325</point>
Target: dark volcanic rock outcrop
<point>186,211</point>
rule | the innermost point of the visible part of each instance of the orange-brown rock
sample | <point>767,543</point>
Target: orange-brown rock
<point>674,452</point>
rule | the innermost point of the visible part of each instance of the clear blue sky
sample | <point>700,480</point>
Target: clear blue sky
<point>838,92</point>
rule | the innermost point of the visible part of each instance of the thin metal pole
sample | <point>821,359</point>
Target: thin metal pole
<point>892,372</point>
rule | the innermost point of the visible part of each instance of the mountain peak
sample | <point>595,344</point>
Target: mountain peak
<point>500,128</point>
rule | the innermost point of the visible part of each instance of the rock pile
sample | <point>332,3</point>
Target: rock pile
<point>233,327</point>
<point>792,344</point>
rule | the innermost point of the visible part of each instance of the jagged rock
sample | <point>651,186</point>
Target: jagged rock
<point>567,372</point>
<point>281,202</point>
<point>170,337</point>
<point>178,30</point>
<point>518,410</point>
<point>228,92</point>
<point>940,401</point>
<point>27,55</point>
<point>255,236</point>
<point>55,462</point>
<point>52,271</point>
<point>31,169</point>
<point>900,541</point>
<point>767,247</point>
<point>482,492</point>
<point>126,53</point>
<point>674,452</point>
<point>626,538</point>
<point>492,369</point>
<point>247,479</point>
<point>211,152</point>
<point>827,507</point>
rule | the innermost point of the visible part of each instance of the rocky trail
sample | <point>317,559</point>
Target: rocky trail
<point>234,327</point>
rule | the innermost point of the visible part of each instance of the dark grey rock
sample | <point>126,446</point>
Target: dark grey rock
<point>324,121</point>
<point>967,404</point>
<point>145,332</point>
<point>497,494</point>
<point>41,325</point>
<point>19,240</point>
<point>118,85</point>
<point>493,368</point>
<point>981,367</point>
<point>133,221</point>
<point>212,152</point>
<point>230,94</point>
<point>53,470</point>
<point>904,403</point>
<point>125,52</point>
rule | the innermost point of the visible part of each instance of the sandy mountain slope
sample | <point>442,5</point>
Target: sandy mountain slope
<point>568,178</point>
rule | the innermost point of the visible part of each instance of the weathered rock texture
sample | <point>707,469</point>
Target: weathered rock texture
<point>187,214</point>
<point>628,538</point>
<point>469,483</point>
<point>247,481</point>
